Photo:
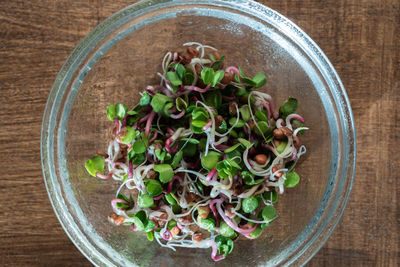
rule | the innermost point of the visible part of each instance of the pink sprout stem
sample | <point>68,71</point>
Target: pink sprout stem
<point>211,174</point>
<point>155,134</point>
<point>267,108</point>
<point>233,69</point>
<point>208,125</point>
<point>133,228</point>
<point>148,123</point>
<point>212,202</point>
<point>215,251</point>
<point>294,116</point>
<point>197,89</point>
<point>222,147</point>
<point>230,98</point>
<point>130,170</point>
<point>116,122</point>
<point>179,115</point>
<point>105,177</point>
<point>168,146</point>
<point>230,223</point>
<point>114,203</point>
<point>143,119</point>
<point>164,236</point>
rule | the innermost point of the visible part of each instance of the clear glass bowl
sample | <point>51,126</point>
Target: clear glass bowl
<point>121,55</point>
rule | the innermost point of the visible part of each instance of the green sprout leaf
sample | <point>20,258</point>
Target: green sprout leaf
<point>173,78</point>
<point>171,198</point>
<point>95,165</point>
<point>261,127</point>
<point>188,77</point>
<point>210,160</point>
<point>281,147</point>
<point>268,213</point>
<point>207,75</point>
<point>239,124</point>
<point>249,204</point>
<point>248,178</point>
<point>145,201</point>
<point>140,220</point>
<point>208,223</point>
<point>224,244</point>
<point>217,64</point>
<point>166,172</point>
<point>180,104</point>
<point>271,196</point>
<point>144,100</point>
<point>245,113</point>
<point>244,142</point>
<point>177,159</point>
<point>180,70</point>
<point>289,107</point>
<point>256,233</point>
<point>120,111</point>
<point>218,76</point>
<point>111,114</point>
<point>138,147</point>
<point>150,236</point>
<point>292,179</point>
<point>158,101</point>
<point>153,187</point>
<point>130,135</point>
<point>259,80</point>
<point>226,230</point>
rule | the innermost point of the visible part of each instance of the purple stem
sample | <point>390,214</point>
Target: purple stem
<point>197,89</point>
<point>130,170</point>
<point>179,115</point>
<point>158,197</point>
<point>124,121</point>
<point>211,174</point>
<point>116,122</point>
<point>143,119</point>
<point>267,108</point>
<point>245,130</point>
<point>230,98</point>
<point>168,148</point>
<point>222,147</point>
<point>214,211</point>
<point>176,177</point>
<point>155,134</point>
<point>170,131</point>
<point>195,99</point>
<point>148,123</point>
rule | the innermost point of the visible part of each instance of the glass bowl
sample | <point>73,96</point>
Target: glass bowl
<point>121,56</point>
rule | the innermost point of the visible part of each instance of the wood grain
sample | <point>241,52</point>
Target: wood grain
<point>362,40</point>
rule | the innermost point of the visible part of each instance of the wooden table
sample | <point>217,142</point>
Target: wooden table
<point>362,40</point>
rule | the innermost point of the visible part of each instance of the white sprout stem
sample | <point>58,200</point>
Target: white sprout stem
<point>250,220</point>
<point>299,129</point>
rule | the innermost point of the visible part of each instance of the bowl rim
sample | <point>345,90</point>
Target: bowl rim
<point>138,9</point>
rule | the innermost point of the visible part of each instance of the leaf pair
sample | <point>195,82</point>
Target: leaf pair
<point>209,76</point>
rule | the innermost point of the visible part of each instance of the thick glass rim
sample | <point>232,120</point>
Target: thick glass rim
<point>319,235</point>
